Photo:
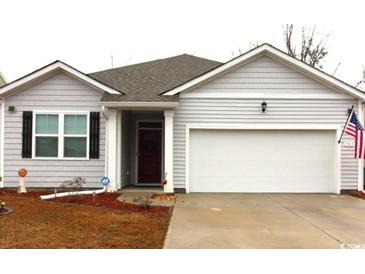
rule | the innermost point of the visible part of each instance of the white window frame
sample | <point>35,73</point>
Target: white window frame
<point>61,135</point>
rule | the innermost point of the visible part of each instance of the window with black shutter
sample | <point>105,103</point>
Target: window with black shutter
<point>27,134</point>
<point>94,135</point>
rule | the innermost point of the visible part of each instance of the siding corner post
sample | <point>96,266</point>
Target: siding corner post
<point>169,128</point>
<point>112,153</point>
<point>119,149</point>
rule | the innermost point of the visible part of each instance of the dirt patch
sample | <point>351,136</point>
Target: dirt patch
<point>109,200</point>
<point>43,224</point>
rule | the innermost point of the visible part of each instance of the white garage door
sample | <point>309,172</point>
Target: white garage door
<point>262,161</point>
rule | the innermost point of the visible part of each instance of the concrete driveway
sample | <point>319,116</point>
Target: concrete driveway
<point>266,221</point>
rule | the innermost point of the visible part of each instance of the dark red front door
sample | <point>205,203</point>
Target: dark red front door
<point>149,156</point>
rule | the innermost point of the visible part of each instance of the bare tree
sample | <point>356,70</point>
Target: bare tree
<point>312,48</point>
<point>361,84</point>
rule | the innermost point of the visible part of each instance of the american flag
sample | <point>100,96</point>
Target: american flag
<point>356,130</point>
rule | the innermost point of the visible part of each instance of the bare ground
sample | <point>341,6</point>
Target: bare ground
<point>43,224</point>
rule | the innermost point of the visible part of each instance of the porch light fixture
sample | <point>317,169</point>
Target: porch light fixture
<point>263,106</point>
<point>11,109</point>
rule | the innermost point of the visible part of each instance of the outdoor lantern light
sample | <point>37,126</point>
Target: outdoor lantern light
<point>11,109</point>
<point>263,106</point>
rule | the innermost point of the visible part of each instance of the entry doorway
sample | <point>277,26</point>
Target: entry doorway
<point>149,152</point>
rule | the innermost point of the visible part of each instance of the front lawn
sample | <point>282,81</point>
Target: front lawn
<point>47,224</point>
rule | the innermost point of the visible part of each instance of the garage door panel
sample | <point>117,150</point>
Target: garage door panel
<point>262,161</point>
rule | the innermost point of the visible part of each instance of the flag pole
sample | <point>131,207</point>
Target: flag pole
<point>348,118</point>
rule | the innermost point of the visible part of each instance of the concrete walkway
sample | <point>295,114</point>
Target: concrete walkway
<point>266,221</point>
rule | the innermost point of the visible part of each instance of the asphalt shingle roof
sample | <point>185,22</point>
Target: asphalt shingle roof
<point>145,82</point>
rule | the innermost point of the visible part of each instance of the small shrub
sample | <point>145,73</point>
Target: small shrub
<point>74,185</point>
<point>144,203</point>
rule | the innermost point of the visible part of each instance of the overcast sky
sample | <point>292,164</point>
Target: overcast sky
<point>85,34</point>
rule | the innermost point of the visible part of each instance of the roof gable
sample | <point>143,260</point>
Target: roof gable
<point>264,77</point>
<point>276,54</point>
<point>50,70</point>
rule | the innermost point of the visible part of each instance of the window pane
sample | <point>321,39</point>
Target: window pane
<point>75,147</point>
<point>75,124</point>
<point>47,146</point>
<point>156,125</point>
<point>47,124</point>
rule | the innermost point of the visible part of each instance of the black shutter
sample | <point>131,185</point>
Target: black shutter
<point>27,134</point>
<point>94,135</point>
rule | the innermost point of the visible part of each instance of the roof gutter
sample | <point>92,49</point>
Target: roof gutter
<point>151,105</point>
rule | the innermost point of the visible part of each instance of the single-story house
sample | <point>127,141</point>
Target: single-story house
<point>261,122</point>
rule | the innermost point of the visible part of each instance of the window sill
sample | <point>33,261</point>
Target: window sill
<point>60,159</point>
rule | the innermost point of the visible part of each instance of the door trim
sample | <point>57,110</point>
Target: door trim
<point>136,149</point>
<point>337,147</point>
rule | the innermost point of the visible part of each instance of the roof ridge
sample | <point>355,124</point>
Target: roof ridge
<point>151,61</point>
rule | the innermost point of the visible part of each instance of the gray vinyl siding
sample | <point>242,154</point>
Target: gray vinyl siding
<point>58,92</point>
<point>259,79</point>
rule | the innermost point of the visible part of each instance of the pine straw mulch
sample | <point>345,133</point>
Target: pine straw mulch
<point>357,194</point>
<point>164,197</point>
<point>44,224</point>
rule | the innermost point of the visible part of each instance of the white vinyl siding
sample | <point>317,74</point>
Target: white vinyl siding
<point>235,99</point>
<point>59,92</point>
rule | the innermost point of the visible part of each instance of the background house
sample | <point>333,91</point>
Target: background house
<point>2,80</point>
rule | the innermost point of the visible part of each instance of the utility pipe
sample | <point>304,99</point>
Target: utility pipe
<point>73,193</point>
